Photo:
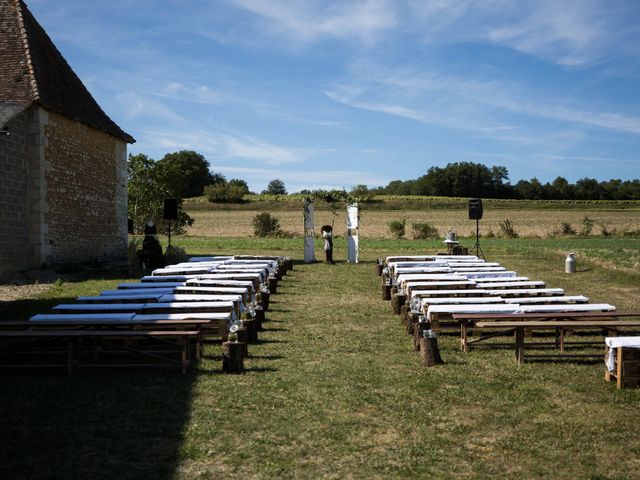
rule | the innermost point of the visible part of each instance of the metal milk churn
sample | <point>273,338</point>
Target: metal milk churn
<point>570,263</point>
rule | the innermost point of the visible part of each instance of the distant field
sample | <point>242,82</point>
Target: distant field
<point>528,222</point>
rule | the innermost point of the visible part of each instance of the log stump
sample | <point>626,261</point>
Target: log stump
<point>289,264</point>
<point>386,292</point>
<point>379,268</point>
<point>265,300</point>
<point>273,284</point>
<point>232,357</point>
<point>260,317</point>
<point>429,352</point>
<point>251,327</point>
<point>394,303</point>
<point>242,340</point>
<point>404,313</point>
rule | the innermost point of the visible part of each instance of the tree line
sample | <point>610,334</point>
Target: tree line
<point>179,175</point>
<point>468,179</point>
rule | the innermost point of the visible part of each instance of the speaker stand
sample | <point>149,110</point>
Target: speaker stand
<point>479,252</point>
<point>169,247</point>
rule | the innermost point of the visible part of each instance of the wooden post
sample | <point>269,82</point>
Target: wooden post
<point>232,357</point>
<point>429,351</point>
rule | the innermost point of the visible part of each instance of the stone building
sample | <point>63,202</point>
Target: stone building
<point>63,191</point>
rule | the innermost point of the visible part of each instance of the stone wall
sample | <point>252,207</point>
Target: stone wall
<point>63,193</point>
<point>85,175</point>
<point>14,234</point>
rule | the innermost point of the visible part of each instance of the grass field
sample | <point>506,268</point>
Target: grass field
<point>333,390</point>
<point>528,222</point>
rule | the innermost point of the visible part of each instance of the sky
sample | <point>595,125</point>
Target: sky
<point>333,94</point>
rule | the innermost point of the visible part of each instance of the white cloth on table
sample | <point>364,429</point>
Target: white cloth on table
<point>453,293</point>
<point>472,308</point>
<point>579,307</point>
<point>554,299</point>
<point>617,342</point>
<point>459,300</point>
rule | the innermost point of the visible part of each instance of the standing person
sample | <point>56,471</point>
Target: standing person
<point>327,234</point>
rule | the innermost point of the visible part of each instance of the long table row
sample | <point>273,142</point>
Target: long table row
<point>466,294</point>
<point>173,310</point>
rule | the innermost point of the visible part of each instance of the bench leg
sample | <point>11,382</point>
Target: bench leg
<point>185,353</point>
<point>519,345</point>
<point>619,373</point>
<point>561,333</point>
<point>463,336</point>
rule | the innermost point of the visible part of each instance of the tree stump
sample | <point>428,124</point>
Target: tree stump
<point>394,303</point>
<point>289,264</point>
<point>259,317</point>
<point>251,327</point>
<point>379,268</point>
<point>232,357</point>
<point>404,313</point>
<point>386,292</point>
<point>265,300</point>
<point>242,340</point>
<point>273,284</point>
<point>429,352</point>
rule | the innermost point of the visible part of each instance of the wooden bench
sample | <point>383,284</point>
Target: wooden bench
<point>478,321</point>
<point>181,337</point>
<point>627,368</point>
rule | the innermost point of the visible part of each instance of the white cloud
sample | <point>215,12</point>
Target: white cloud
<point>465,103</point>
<point>216,144</point>
<point>310,20</point>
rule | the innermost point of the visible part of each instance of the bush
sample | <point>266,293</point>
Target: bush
<point>424,230</point>
<point>567,229</point>
<point>225,192</point>
<point>507,229</point>
<point>397,227</point>
<point>264,225</point>
<point>587,227</point>
<point>605,232</point>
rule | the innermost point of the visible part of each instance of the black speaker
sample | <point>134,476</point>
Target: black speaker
<point>475,209</point>
<point>170,209</point>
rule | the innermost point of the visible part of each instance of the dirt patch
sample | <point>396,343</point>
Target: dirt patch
<point>21,285</point>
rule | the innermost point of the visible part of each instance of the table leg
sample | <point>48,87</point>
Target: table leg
<point>519,333</point>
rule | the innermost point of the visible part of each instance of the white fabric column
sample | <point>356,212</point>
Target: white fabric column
<point>353,218</point>
<point>309,233</point>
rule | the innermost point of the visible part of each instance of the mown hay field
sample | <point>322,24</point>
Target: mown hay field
<point>374,223</point>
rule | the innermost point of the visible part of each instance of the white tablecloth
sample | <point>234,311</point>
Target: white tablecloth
<point>615,342</point>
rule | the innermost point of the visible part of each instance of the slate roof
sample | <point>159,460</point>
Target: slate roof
<point>32,70</point>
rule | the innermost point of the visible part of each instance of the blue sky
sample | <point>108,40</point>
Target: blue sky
<point>330,94</point>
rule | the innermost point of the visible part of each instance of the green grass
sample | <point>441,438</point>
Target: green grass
<point>334,391</point>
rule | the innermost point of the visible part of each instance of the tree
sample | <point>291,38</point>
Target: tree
<point>186,171</point>
<point>147,189</point>
<point>240,186</point>
<point>275,187</point>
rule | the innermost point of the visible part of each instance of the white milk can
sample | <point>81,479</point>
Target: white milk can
<point>570,263</point>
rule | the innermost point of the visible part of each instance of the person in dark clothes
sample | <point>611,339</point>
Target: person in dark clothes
<point>327,234</point>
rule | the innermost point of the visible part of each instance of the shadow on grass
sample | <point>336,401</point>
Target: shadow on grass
<point>96,424</point>
<point>24,309</point>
